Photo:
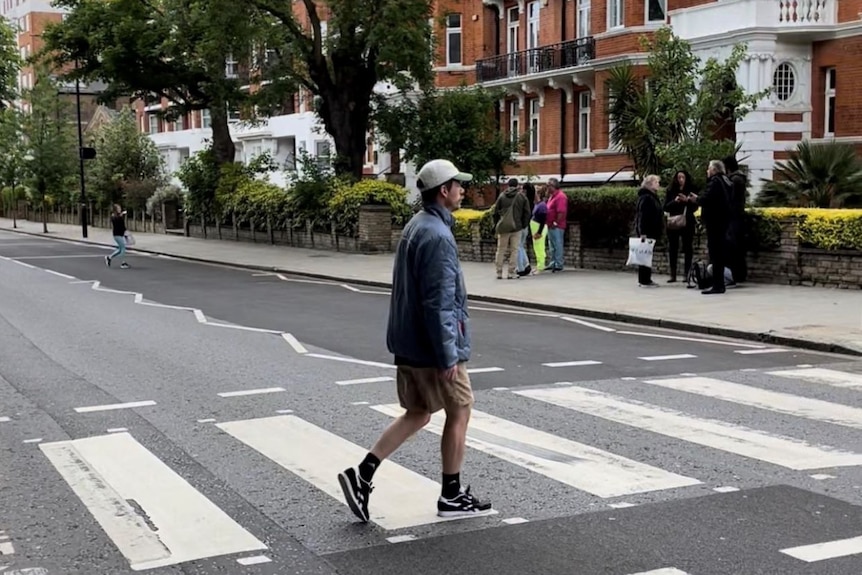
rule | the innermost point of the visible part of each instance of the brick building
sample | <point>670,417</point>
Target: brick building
<point>552,57</point>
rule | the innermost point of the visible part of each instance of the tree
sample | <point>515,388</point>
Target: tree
<point>128,166</point>
<point>455,124</point>
<point>675,118</point>
<point>12,151</point>
<point>10,63</point>
<point>817,175</point>
<point>174,49</point>
<point>364,42</point>
<point>51,147</point>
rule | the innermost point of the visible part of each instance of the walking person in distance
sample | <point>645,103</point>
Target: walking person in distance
<point>118,229</point>
<point>428,333</point>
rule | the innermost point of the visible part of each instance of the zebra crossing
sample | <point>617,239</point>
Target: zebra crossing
<point>156,518</point>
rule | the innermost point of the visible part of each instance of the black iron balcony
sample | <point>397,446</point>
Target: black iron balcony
<point>560,56</point>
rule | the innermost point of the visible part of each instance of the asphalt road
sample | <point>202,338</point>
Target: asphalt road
<point>159,419</point>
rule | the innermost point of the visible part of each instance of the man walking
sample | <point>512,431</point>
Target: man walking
<point>428,333</point>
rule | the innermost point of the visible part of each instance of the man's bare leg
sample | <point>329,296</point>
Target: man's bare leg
<point>398,432</point>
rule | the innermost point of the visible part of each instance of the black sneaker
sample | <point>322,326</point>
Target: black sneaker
<point>108,261</point>
<point>463,505</point>
<point>356,492</point>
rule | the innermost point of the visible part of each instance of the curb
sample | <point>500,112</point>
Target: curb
<point>761,337</point>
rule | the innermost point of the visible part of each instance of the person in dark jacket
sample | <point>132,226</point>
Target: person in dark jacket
<point>429,335</point>
<point>648,222</point>
<point>676,204</point>
<point>715,210</point>
<point>511,214</point>
<point>737,244</point>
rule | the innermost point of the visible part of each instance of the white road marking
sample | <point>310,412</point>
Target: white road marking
<point>256,560</point>
<point>725,489</point>
<point>294,343</point>
<point>284,411</point>
<point>58,274</point>
<point>515,521</point>
<point>200,316</point>
<point>668,357</point>
<point>621,505</point>
<point>243,327</point>
<point>473,370</point>
<point>153,516</point>
<point>788,404</point>
<point>359,403</point>
<point>364,380</point>
<point>245,392</point>
<point>500,388</point>
<point>113,406</point>
<point>572,363</point>
<point>759,351</point>
<point>34,440</point>
<point>207,420</point>
<point>587,324</point>
<point>4,419</point>
<point>26,265</point>
<point>784,451</point>
<point>320,455</point>
<point>401,538</point>
<point>284,278</point>
<point>117,430</point>
<point>511,311</point>
<point>664,571</point>
<point>351,288</point>
<point>821,375</point>
<point>59,257</point>
<point>580,466</point>
<point>822,476</point>
<point>351,360</point>
<point>826,550</point>
<point>694,339</point>
<point>7,549</point>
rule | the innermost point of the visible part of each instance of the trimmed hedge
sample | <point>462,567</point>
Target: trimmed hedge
<point>344,205</point>
<point>606,216</point>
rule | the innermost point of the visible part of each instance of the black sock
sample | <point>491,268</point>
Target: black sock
<point>451,485</point>
<point>368,466</point>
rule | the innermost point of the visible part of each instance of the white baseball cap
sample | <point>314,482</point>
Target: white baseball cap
<point>437,172</point>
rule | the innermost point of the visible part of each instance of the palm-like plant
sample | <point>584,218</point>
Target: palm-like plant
<point>817,175</point>
<point>633,111</point>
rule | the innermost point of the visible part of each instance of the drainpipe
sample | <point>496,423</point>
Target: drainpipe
<point>563,103</point>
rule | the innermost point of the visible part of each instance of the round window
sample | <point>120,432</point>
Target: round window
<point>784,81</point>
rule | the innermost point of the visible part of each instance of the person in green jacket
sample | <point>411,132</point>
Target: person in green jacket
<point>511,214</point>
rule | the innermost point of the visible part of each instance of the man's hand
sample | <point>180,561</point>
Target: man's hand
<point>450,374</point>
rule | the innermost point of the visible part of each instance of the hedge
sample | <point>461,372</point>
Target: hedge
<point>344,205</point>
<point>606,215</point>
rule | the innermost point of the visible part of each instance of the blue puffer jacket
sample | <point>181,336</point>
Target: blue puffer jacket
<point>428,319</point>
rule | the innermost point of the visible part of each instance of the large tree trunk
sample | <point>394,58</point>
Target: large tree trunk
<point>223,146</point>
<point>345,112</point>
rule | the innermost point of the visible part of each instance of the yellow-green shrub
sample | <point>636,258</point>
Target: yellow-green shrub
<point>345,203</point>
<point>464,220</point>
<point>828,229</point>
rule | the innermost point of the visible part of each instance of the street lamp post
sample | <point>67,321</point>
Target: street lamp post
<point>81,158</point>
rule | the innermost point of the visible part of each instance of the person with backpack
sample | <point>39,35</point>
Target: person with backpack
<point>511,214</point>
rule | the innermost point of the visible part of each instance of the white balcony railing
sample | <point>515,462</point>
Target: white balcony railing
<point>728,16</point>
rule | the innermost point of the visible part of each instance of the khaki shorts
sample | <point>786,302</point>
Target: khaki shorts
<point>424,389</point>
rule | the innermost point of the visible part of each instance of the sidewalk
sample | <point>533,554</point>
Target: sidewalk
<point>814,318</point>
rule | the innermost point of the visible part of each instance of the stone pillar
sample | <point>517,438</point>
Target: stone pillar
<point>573,253</point>
<point>375,228</point>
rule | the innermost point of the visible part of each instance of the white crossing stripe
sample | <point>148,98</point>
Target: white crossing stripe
<point>473,370</point>
<point>256,560</point>
<point>583,467</point>
<point>364,380</point>
<point>113,406</point>
<point>668,357</point>
<point>761,351</point>
<point>318,456</point>
<point>665,571</point>
<point>784,451</point>
<point>245,392</point>
<point>821,375</point>
<point>153,516</point>
<point>572,363</point>
<point>4,419</point>
<point>778,402</point>
<point>826,550</point>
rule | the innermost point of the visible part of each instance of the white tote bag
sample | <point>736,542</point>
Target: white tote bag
<point>640,252</point>
<point>130,239</point>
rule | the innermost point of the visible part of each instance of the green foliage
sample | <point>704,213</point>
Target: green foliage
<point>51,142</point>
<point>345,203</point>
<point>165,194</point>
<point>455,124</point>
<point>173,49</point>
<point>10,63</point>
<point>13,148</point>
<point>828,229</point>
<point>310,193</point>
<point>200,177</point>
<point>663,125</point>
<point>694,156</point>
<point>366,42</point>
<point>256,200</point>
<point>127,167</point>
<point>817,175</point>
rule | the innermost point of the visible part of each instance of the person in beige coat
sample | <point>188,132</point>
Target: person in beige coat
<point>511,214</point>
